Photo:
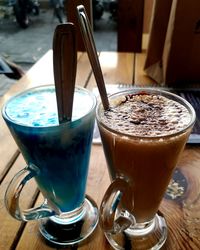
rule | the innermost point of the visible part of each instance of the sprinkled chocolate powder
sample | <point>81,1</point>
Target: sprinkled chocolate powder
<point>146,115</point>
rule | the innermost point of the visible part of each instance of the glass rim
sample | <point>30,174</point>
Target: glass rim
<point>151,90</point>
<point>68,123</point>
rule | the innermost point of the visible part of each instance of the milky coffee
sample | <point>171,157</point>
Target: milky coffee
<point>143,135</point>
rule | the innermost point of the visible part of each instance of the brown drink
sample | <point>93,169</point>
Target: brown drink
<point>143,134</point>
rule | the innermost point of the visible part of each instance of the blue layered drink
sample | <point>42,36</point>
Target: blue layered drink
<point>57,154</point>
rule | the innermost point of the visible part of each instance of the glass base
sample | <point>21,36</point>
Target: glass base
<point>141,237</point>
<point>71,228</point>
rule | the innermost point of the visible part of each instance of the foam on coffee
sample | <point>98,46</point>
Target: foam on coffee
<point>146,114</point>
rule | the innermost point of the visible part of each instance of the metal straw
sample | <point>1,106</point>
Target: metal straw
<point>88,39</point>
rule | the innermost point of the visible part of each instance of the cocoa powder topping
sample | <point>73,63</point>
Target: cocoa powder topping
<point>146,115</point>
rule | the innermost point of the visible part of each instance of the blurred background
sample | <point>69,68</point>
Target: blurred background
<point>23,40</point>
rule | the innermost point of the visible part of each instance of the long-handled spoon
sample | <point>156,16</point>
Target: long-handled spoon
<point>88,39</point>
<point>64,64</point>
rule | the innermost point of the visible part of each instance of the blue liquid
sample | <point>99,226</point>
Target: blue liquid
<point>59,154</point>
<point>38,107</point>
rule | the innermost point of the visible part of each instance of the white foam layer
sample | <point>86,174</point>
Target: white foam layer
<point>38,107</point>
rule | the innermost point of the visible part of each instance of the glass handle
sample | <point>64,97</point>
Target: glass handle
<point>13,193</point>
<point>116,207</point>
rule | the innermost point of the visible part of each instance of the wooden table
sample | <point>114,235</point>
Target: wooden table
<point>182,214</point>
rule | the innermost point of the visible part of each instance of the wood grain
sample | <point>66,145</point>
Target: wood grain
<point>116,68</point>
<point>130,25</point>
<point>182,213</point>
<point>10,228</point>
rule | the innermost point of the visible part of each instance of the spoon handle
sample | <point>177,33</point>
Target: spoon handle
<point>88,39</point>
<point>64,64</point>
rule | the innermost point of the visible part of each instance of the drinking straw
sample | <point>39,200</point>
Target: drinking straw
<point>88,39</point>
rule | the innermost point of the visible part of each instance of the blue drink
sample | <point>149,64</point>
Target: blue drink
<point>57,155</point>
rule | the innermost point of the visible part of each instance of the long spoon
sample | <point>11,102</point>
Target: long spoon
<point>88,39</point>
<point>64,64</point>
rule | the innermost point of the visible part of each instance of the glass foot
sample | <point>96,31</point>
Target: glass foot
<point>141,237</point>
<point>74,229</point>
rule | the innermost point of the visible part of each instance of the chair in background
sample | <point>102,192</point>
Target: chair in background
<point>70,7</point>
<point>133,19</point>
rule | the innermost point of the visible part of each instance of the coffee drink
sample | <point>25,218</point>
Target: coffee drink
<point>142,143</point>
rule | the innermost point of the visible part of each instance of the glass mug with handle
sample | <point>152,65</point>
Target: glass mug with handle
<point>57,156</point>
<point>143,134</point>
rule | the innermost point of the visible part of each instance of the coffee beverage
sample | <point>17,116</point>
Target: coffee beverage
<point>142,143</point>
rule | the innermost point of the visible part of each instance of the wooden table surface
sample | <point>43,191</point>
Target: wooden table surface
<point>182,213</point>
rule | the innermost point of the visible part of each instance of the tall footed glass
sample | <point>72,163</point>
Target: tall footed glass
<point>143,134</point>
<point>57,156</point>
